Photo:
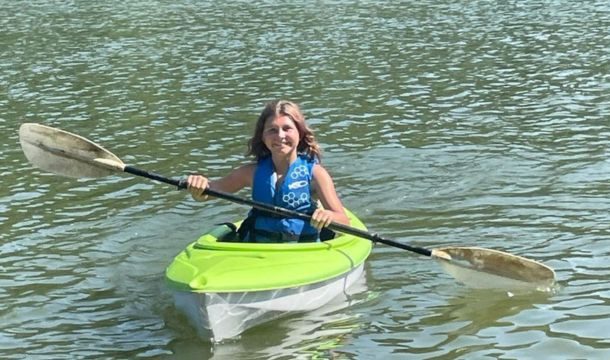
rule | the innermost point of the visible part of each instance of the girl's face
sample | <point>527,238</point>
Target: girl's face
<point>281,136</point>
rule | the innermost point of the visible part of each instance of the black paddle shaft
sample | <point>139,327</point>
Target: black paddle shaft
<point>276,210</point>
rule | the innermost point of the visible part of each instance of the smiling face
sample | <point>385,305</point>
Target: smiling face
<point>281,136</point>
<point>285,120</point>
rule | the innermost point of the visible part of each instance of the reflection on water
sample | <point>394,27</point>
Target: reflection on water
<point>317,333</point>
<point>467,123</point>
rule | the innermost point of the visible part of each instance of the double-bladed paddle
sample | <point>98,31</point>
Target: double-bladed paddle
<point>71,155</point>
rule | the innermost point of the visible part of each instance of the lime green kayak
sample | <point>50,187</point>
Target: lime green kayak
<point>227,287</point>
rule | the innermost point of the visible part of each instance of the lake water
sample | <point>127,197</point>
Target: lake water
<point>479,123</point>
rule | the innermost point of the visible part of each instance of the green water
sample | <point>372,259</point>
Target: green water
<point>443,123</point>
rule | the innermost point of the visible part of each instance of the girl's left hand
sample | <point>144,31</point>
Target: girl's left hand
<point>321,218</point>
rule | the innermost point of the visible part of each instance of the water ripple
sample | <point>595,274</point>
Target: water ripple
<point>443,123</point>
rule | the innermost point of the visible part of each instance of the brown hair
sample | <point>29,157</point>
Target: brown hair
<point>307,142</point>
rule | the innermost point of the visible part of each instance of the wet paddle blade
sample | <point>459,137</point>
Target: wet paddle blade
<point>66,154</point>
<point>492,269</point>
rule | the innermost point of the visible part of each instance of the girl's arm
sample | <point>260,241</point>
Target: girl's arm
<point>236,180</point>
<point>333,208</point>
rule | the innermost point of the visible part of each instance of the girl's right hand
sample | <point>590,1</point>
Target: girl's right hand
<point>196,185</point>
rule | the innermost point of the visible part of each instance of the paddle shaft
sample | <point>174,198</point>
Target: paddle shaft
<point>181,184</point>
<point>70,155</point>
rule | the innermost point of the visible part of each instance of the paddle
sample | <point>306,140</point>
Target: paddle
<point>67,154</point>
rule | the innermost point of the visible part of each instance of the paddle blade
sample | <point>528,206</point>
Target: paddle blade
<point>66,154</point>
<point>492,269</point>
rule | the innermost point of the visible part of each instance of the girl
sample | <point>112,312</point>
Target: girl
<point>287,173</point>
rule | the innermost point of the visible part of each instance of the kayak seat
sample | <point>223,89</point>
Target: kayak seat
<point>327,234</point>
<point>228,233</point>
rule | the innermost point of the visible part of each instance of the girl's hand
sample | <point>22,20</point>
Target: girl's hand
<point>321,218</point>
<point>196,185</point>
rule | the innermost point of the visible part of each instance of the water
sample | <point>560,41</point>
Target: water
<point>443,123</point>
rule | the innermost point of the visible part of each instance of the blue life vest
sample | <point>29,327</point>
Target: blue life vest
<point>294,193</point>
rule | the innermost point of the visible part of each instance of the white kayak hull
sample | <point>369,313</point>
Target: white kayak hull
<point>218,316</point>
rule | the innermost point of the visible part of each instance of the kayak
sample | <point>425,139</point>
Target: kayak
<point>225,287</point>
